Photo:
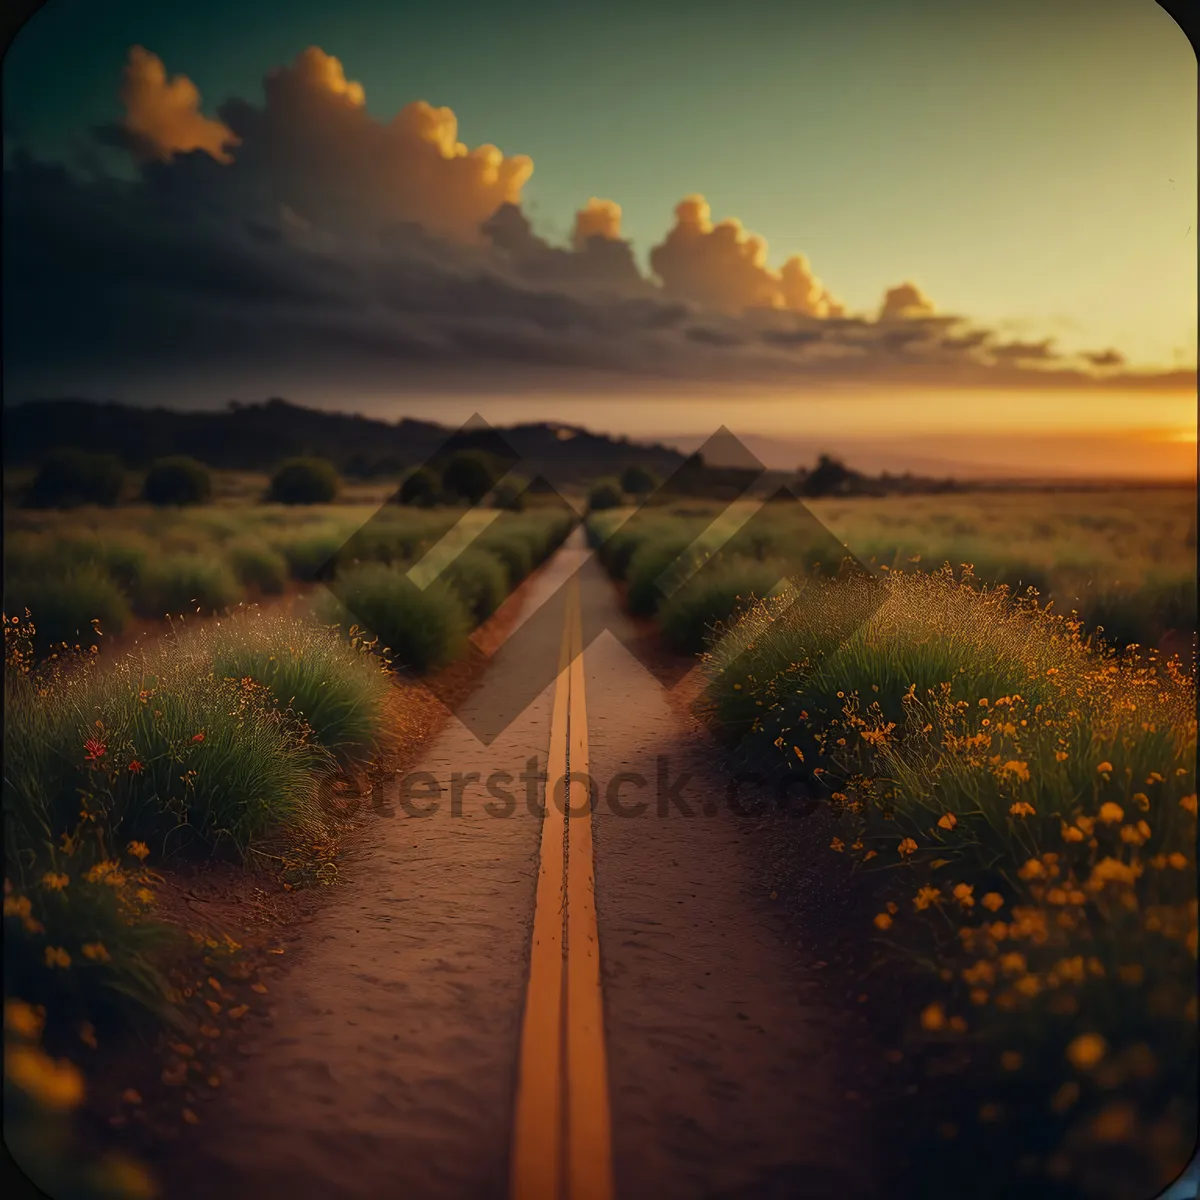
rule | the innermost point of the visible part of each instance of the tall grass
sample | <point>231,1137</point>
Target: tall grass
<point>1024,802</point>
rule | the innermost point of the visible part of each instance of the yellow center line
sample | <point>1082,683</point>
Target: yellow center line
<point>562,1138</point>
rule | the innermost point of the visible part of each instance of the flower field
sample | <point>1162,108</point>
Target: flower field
<point>1014,797</point>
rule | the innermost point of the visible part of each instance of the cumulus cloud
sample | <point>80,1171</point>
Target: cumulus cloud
<point>313,147</point>
<point>597,218</point>
<point>905,301</point>
<point>162,116</point>
<point>725,268</point>
<point>299,238</point>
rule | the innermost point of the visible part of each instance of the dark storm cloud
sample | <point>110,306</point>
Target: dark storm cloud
<point>304,235</point>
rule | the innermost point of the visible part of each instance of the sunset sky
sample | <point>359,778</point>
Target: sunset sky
<point>995,205</point>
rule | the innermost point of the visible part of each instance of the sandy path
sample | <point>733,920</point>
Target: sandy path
<point>725,1060</point>
<point>387,1066</point>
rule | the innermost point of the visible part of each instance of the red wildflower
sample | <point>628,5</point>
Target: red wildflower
<point>94,750</point>
<point>136,767</point>
<point>198,738</point>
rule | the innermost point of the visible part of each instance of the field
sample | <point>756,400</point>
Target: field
<point>1008,774</point>
<point>1011,787</point>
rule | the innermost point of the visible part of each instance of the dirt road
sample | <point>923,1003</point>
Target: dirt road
<point>510,1003</point>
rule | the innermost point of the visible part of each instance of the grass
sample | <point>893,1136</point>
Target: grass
<point>1022,803</point>
<point>419,629</point>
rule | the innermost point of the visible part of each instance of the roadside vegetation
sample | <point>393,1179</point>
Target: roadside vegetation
<point>213,743</point>
<point>1013,794</point>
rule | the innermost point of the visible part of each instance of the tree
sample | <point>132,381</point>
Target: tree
<point>177,480</point>
<point>304,481</point>
<point>638,480</point>
<point>469,474</point>
<point>604,494</point>
<point>510,493</point>
<point>68,478</point>
<point>420,486</point>
<point>828,477</point>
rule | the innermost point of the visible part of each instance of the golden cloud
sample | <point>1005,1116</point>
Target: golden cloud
<point>723,267</point>
<point>906,300</point>
<point>163,117</point>
<point>597,218</point>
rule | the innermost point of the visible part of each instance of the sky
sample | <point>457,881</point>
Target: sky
<point>1027,169</point>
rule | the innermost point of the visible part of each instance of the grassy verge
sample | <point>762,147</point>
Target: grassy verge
<point>1017,802</point>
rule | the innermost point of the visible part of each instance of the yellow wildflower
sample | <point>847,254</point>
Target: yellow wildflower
<point>56,956</point>
<point>837,844</point>
<point>964,893</point>
<point>1111,813</point>
<point>926,896</point>
<point>17,906</point>
<point>1011,1060</point>
<point>1085,823</point>
<point>947,821</point>
<point>907,846</point>
<point>53,1084</point>
<point>1033,869</point>
<point>992,901</point>
<point>1142,801</point>
<point>1012,963</point>
<point>22,1019</point>
<point>883,921</point>
<point>1105,767</point>
<point>55,882</point>
<point>1071,834</point>
<point>1060,756</point>
<point>96,952</point>
<point>933,1017</point>
<point>1022,809</point>
<point>1188,803</point>
<point>1177,860</point>
<point>139,850</point>
<point>1086,1051</point>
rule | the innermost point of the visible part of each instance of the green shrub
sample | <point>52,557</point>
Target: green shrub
<point>307,553</point>
<point>69,478</point>
<point>157,749</point>
<point>638,480</point>
<point>419,486</point>
<point>513,547</point>
<point>647,572</point>
<point>68,606</point>
<point>509,494</point>
<point>338,690</point>
<point>256,565</point>
<point>605,494</point>
<point>470,474</point>
<point>712,598</point>
<point>185,583</point>
<point>480,578</point>
<point>418,628</point>
<point>304,481</point>
<point>177,480</point>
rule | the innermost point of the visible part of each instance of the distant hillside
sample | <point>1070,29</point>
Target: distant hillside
<point>256,437</point>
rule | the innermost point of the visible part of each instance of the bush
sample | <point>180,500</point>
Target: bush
<point>469,474</point>
<point>691,616</point>
<point>510,494</point>
<point>605,494</point>
<point>69,478</point>
<point>307,553</point>
<point>481,580</point>
<point>160,750</point>
<point>420,486</point>
<point>185,582</point>
<point>304,481</point>
<point>646,570</point>
<point>340,691</point>
<point>69,605</point>
<point>638,480</point>
<point>257,565</point>
<point>512,547</point>
<point>418,628</point>
<point>177,480</point>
